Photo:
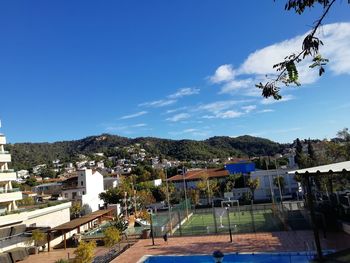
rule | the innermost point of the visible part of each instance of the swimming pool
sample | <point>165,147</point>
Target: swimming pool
<point>302,257</point>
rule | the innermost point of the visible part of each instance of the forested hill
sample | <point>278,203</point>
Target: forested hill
<point>26,155</point>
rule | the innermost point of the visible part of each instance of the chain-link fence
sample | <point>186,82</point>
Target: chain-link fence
<point>187,221</point>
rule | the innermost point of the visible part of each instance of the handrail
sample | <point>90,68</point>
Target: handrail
<point>7,171</point>
<point>2,190</point>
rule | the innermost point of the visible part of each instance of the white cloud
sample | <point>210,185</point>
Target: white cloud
<point>134,115</point>
<point>273,101</point>
<point>230,114</point>
<point>139,125</point>
<point>218,106</point>
<point>249,108</point>
<point>158,103</point>
<point>336,39</point>
<point>223,73</point>
<point>266,110</point>
<point>235,85</point>
<point>179,117</point>
<point>184,92</point>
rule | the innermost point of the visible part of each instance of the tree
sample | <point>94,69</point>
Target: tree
<point>85,252</point>
<point>279,182</point>
<point>300,158</point>
<point>120,223</point>
<point>312,159</point>
<point>111,196</point>
<point>253,184</point>
<point>38,238</point>
<point>31,182</point>
<point>287,70</point>
<point>46,172</point>
<point>230,181</point>
<point>75,209</point>
<point>208,186</point>
<point>111,236</point>
<point>344,135</point>
<point>194,196</point>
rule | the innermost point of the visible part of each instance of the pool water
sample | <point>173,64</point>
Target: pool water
<point>236,258</point>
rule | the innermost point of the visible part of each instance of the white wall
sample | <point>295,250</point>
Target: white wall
<point>265,177</point>
<point>93,183</point>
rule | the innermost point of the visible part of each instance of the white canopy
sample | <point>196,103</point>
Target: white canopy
<point>323,169</point>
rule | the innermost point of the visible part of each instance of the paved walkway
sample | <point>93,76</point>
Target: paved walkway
<point>56,254</point>
<point>260,242</point>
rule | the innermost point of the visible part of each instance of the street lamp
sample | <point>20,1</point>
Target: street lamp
<point>229,222</point>
<point>151,221</point>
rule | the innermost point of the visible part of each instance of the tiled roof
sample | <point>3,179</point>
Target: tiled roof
<point>199,174</point>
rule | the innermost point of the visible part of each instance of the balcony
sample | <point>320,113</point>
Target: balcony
<point>7,175</point>
<point>2,139</point>
<point>5,157</point>
<point>10,195</point>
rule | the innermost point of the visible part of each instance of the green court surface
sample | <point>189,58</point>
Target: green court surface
<point>241,222</point>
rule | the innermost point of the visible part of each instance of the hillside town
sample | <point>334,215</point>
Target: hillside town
<point>70,201</point>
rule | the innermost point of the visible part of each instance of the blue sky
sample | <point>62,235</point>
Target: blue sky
<point>170,69</point>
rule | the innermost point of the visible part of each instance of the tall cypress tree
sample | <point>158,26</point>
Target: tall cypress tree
<point>299,156</point>
<point>312,156</point>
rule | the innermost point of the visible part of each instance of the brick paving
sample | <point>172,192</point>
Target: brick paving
<point>259,242</point>
<point>56,254</point>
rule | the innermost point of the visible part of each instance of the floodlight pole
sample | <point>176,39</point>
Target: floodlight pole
<point>270,183</point>
<point>184,183</point>
<point>313,217</point>
<point>152,234</point>
<point>168,200</point>
<point>229,222</point>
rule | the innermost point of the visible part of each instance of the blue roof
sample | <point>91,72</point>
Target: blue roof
<point>244,167</point>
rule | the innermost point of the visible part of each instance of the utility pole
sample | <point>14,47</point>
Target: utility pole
<point>270,182</point>
<point>168,200</point>
<point>125,205</point>
<point>279,185</point>
<point>184,184</point>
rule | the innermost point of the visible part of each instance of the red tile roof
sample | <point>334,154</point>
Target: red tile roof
<point>199,174</point>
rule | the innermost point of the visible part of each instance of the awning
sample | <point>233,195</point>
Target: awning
<point>342,167</point>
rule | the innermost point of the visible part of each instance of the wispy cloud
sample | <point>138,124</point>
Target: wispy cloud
<point>184,92</point>
<point>176,110</point>
<point>273,101</point>
<point>203,132</point>
<point>179,117</point>
<point>158,103</point>
<point>139,125</point>
<point>249,108</point>
<point>266,110</point>
<point>127,129</point>
<point>230,114</point>
<point>137,114</point>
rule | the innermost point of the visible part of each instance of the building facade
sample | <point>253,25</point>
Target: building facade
<point>8,194</point>
<point>85,189</point>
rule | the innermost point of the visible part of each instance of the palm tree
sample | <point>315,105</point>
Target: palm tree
<point>253,184</point>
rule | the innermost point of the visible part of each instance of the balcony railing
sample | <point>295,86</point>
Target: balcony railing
<point>7,171</point>
<point>2,190</point>
<point>35,207</point>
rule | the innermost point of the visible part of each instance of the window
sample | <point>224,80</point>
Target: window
<point>83,192</point>
<point>65,195</point>
<point>82,183</point>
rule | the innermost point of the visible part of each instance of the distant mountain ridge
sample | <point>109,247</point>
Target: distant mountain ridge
<point>27,155</point>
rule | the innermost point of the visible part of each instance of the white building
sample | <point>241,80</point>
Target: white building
<point>8,194</point>
<point>266,183</point>
<point>86,189</point>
